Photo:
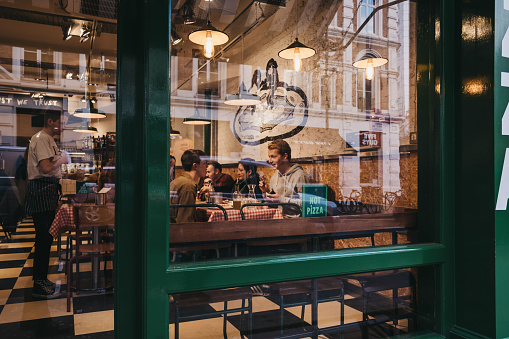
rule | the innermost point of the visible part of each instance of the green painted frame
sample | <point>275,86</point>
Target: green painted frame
<point>143,276</point>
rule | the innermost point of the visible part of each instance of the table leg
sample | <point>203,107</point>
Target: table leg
<point>95,260</point>
<point>314,308</point>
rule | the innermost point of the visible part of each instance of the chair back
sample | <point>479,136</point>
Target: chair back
<point>94,215</point>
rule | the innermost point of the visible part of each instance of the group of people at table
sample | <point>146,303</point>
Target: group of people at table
<point>285,186</point>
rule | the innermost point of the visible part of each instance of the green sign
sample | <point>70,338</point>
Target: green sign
<point>314,200</point>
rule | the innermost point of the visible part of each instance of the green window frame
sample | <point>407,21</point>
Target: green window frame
<point>143,277</point>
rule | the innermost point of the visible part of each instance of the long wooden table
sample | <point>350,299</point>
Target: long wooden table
<point>254,230</point>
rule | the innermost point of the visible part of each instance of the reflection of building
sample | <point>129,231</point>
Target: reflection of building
<point>341,102</point>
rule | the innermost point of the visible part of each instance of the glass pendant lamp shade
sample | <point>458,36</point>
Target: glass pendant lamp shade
<point>242,98</point>
<point>89,112</point>
<point>208,34</point>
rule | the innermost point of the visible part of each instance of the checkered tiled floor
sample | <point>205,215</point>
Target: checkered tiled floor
<point>91,315</point>
<point>21,316</point>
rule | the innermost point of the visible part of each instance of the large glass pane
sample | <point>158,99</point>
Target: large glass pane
<point>57,167</point>
<point>324,158</point>
<point>367,305</point>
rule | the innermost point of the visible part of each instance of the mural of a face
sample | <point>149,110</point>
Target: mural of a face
<point>282,113</point>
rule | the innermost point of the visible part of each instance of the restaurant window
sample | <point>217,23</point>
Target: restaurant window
<point>375,304</point>
<point>324,144</point>
<point>57,84</point>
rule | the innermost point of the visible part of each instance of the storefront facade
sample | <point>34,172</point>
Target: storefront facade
<point>427,130</point>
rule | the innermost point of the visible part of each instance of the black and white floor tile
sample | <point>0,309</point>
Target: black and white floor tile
<point>91,316</point>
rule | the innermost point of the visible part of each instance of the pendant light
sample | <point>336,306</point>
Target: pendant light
<point>208,36</point>
<point>243,97</point>
<point>369,61</point>
<point>85,128</point>
<point>89,112</point>
<point>196,119</point>
<point>297,50</point>
<point>173,132</point>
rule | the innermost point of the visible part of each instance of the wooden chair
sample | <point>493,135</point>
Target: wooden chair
<point>383,281</point>
<point>215,296</point>
<point>302,242</point>
<point>92,218</point>
<point>174,250</point>
<point>328,289</point>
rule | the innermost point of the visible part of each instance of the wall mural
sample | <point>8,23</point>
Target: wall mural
<point>283,112</point>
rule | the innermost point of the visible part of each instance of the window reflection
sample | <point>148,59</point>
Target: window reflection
<point>351,131</point>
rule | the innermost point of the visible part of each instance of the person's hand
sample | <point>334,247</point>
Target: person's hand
<point>64,159</point>
<point>263,184</point>
<point>272,197</point>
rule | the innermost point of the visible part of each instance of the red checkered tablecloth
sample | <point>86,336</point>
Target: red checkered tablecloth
<point>252,214</point>
<point>64,219</point>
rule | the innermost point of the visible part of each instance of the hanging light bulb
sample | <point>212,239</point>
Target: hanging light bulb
<point>369,60</point>
<point>370,70</point>
<point>208,36</point>
<point>297,50</point>
<point>209,47</point>
<point>296,60</point>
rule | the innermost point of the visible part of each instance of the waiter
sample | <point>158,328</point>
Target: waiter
<point>44,174</point>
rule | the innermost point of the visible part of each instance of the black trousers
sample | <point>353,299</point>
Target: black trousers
<point>43,241</point>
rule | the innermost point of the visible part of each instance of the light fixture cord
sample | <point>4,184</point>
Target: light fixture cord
<point>297,21</point>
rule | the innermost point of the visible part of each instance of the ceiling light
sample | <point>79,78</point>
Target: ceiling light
<point>175,38</point>
<point>297,50</point>
<point>93,100</point>
<point>83,99</point>
<point>174,133</point>
<point>369,61</point>
<point>68,76</point>
<point>84,128</point>
<point>242,98</point>
<point>196,119</point>
<point>84,33</point>
<point>89,112</point>
<point>208,36</point>
<point>66,30</point>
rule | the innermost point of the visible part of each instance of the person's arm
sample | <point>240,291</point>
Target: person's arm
<point>186,214</point>
<point>47,166</point>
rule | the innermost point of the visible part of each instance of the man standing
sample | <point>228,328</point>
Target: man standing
<point>286,184</point>
<point>43,193</point>
<point>195,166</point>
<point>221,182</point>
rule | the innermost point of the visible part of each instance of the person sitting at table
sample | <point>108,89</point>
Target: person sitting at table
<point>222,182</point>
<point>286,184</point>
<point>195,166</point>
<point>247,175</point>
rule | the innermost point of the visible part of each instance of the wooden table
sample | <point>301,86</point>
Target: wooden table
<point>253,230</point>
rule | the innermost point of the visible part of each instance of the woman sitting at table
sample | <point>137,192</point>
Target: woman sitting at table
<point>247,175</point>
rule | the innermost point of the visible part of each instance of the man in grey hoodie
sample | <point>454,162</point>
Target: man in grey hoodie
<point>286,184</point>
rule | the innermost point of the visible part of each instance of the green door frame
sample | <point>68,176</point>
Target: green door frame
<point>143,279</point>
